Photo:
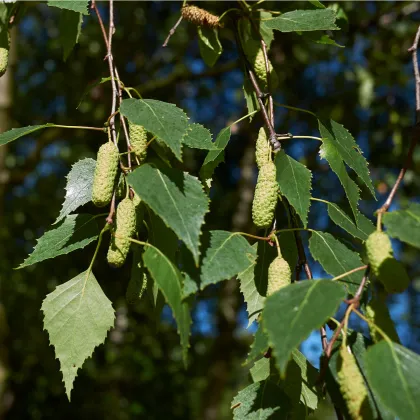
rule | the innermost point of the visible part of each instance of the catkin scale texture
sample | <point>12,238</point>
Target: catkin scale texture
<point>105,174</point>
<point>125,226</point>
<point>200,17</point>
<point>265,197</point>
<point>4,52</point>
<point>352,386</point>
<point>261,71</point>
<point>279,275</point>
<point>136,287</point>
<point>138,140</point>
<point>386,268</point>
<point>262,148</point>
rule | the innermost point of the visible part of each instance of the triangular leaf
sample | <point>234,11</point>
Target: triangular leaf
<point>164,120</point>
<point>364,226</point>
<point>404,224</point>
<point>228,254</point>
<point>339,147</point>
<point>70,27</point>
<point>74,232</point>
<point>393,373</point>
<point>79,186</point>
<point>336,258</point>
<point>294,311</point>
<point>294,180</point>
<point>16,133</point>
<point>169,280</point>
<point>261,401</point>
<point>77,316</point>
<point>214,157</point>
<point>181,202</point>
<point>198,137</point>
<point>304,20</point>
<point>210,47</point>
<point>80,6</point>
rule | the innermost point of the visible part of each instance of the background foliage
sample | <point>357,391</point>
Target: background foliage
<point>368,86</point>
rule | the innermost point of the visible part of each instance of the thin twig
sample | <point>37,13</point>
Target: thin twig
<point>415,133</point>
<point>171,32</point>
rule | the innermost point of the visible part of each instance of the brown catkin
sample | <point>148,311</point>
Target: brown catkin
<point>138,140</point>
<point>352,386</point>
<point>125,226</point>
<point>4,51</point>
<point>200,17</point>
<point>105,174</point>
<point>262,148</point>
<point>265,197</point>
<point>377,312</point>
<point>390,272</point>
<point>279,275</point>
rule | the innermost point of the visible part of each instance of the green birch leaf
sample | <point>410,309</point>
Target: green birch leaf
<point>363,228</point>
<point>79,186</point>
<point>336,259</point>
<point>80,6</point>
<point>198,137</point>
<point>339,148</point>
<point>293,312</point>
<point>250,97</point>
<point>317,4</point>
<point>228,254</point>
<point>74,232</point>
<point>169,280</point>
<point>181,202</point>
<point>209,44</point>
<point>214,157</point>
<point>304,20</point>
<point>70,27</point>
<point>166,121</point>
<point>393,373</point>
<point>294,180</point>
<point>358,345</point>
<point>404,224</point>
<point>261,370</point>
<point>253,298</point>
<point>300,381</point>
<point>261,401</point>
<point>77,316</point>
<point>16,133</point>
<point>259,346</point>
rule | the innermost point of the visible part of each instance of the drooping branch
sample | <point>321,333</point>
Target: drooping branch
<point>415,132</point>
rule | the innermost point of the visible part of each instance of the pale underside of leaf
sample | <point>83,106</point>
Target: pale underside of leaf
<point>77,316</point>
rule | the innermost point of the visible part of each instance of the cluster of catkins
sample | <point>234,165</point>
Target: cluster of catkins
<point>129,214</point>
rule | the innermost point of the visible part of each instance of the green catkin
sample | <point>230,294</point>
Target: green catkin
<point>125,226</point>
<point>138,141</point>
<point>262,148</point>
<point>279,275</point>
<point>265,197</point>
<point>4,51</point>
<point>105,174</point>
<point>139,211</point>
<point>258,62</point>
<point>390,272</point>
<point>377,312</point>
<point>352,386</point>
